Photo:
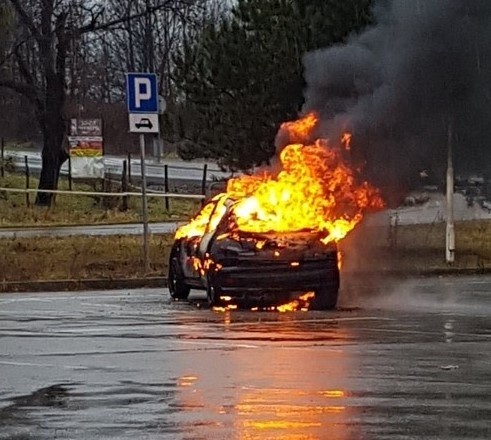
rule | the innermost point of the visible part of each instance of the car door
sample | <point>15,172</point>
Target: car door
<point>196,248</point>
<point>215,218</point>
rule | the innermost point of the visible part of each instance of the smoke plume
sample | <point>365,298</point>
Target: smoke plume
<point>423,66</point>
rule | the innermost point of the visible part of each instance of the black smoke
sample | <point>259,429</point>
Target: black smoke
<point>423,66</point>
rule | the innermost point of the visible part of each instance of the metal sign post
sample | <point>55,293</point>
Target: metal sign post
<point>143,107</point>
<point>146,257</point>
<point>450,227</point>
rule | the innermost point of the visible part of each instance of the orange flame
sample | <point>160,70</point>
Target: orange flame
<point>300,131</point>
<point>302,304</point>
<point>340,260</point>
<point>314,190</point>
<point>202,267</point>
<point>346,141</point>
<point>207,219</point>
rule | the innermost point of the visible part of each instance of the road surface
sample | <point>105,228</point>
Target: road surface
<point>408,361</point>
<point>178,171</point>
<point>97,230</point>
<point>433,211</point>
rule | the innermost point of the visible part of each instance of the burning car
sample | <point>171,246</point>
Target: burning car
<point>270,268</point>
<point>273,235</point>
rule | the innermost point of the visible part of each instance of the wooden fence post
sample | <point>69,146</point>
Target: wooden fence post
<point>2,158</point>
<point>166,186</point>
<point>203,183</point>
<point>393,226</point>
<point>26,162</point>
<point>129,168</point>
<point>124,186</point>
<point>70,173</point>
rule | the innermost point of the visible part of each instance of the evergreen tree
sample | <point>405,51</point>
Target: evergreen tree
<point>243,77</point>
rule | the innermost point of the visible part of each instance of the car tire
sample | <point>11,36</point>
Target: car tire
<point>213,293</point>
<point>177,287</point>
<point>325,299</point>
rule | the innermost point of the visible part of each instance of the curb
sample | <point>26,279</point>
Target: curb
<point>76,285</point>
<point>161,282</point>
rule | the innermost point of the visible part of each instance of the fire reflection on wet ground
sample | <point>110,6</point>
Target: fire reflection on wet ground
<point>133,365</point>
<point>286,391</point>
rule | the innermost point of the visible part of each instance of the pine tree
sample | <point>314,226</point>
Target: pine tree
<point>243,76</point>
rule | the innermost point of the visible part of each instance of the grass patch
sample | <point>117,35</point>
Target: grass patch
<point>81,257</point>
<point>419,248</point>
<point>80,209</point>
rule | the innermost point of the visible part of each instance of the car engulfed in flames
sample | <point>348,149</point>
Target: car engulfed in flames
<point>272,236</point>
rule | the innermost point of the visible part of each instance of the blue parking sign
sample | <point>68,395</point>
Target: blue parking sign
<point>142,93</point>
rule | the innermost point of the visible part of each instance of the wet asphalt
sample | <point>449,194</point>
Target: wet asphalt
<point>406,360</point>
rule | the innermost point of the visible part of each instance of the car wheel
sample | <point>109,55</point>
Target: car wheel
<point>177,287</point>
<point>213,292</point>
<point>325,299</point>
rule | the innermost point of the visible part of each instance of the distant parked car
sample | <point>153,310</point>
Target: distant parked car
<point>486,204</point>
<point>416,198</point>
<point>253,268</point>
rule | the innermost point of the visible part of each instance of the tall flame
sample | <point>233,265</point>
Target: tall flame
<point>314,189</point>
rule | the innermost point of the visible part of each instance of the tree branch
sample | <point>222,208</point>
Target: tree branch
<point>93,27</point>
<point>14,51</point>
<point>26,19</point>
<point>23,69</point>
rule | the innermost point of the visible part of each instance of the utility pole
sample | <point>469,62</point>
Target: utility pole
<point>450,230</point>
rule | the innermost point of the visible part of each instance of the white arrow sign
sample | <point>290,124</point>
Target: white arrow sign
<point>144,122</point>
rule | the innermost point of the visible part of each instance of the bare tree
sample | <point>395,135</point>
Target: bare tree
<point>149,43</point>
<point>49,39</point>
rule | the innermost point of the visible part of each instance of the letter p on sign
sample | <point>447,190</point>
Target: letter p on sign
<point>141,93</point>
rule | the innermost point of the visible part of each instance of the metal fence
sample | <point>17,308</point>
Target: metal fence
<point>192,181</point>
<point>126,186</point>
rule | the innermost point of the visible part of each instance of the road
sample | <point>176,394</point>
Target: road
<point>432,212</point>
<point>94,230</point>
<point>407,361</point>
<point>178,171</point>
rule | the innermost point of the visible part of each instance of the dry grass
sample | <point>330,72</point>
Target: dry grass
<point>79,210</point>
<point>81,257</point>
<point>419,249</point>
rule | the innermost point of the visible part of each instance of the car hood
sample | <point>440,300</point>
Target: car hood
<point>291,246</point>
